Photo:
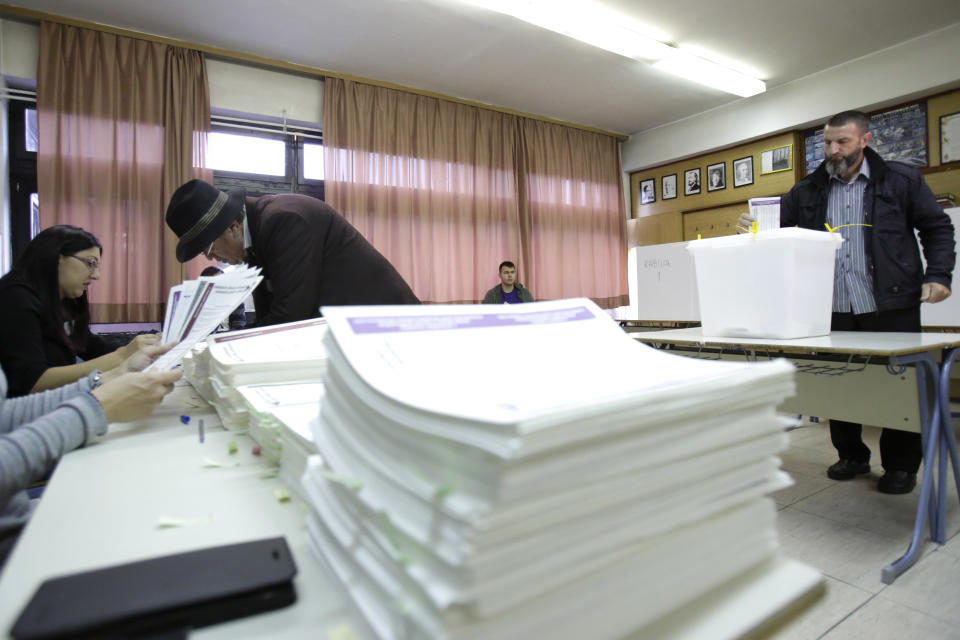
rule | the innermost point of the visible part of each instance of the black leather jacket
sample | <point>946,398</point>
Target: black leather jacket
<point>897,200</point>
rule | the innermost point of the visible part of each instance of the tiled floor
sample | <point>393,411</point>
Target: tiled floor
<point>848,531</point>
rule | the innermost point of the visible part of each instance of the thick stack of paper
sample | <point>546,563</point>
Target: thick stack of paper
<point>531,471</point>
<point>288,352</point>
<point>280,418</point>
<point>195,309</point>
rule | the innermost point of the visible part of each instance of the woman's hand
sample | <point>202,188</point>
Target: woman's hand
<point>138,343</point>
<point>133,396</point>
<point>138,361</point>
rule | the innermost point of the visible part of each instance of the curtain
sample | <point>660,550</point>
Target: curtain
<point>447,191</point>
<point>121,122</point>
<point>575,224</point>
<point>430,183</point>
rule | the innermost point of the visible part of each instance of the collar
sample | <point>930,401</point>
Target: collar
<point>247,239</point>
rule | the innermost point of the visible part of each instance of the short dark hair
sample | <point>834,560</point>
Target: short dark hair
<point>857,117</point>
<point>506,263</point>
<point>212,270</point>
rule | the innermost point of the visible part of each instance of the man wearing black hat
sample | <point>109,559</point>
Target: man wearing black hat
<point>310,255</point>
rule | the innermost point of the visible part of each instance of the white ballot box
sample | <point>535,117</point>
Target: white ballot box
<point>775,284</point>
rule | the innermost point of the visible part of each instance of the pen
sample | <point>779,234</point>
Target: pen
<point>200,428</point>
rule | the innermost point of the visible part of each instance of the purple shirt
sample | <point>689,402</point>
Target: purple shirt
<point>510,298</point>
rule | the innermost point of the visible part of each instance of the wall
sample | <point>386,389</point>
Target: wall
<point>709,213</point>
<point>20,48</point>
<point>921,66</point>
<point>269,92</point>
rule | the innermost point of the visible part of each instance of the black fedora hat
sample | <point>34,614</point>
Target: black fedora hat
<point>198,213</point>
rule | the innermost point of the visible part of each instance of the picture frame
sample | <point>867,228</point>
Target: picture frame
<point>742,171</point>
<point>691,182</point>
<point>648,192</point>
<point>717,176</point>
<point>950,138</point>
<point>668,187</point>
<point>776,159</point>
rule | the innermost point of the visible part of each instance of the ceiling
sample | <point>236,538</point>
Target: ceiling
<point>449,47</point>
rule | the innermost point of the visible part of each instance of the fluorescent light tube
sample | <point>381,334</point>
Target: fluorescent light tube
<point>711,74</point>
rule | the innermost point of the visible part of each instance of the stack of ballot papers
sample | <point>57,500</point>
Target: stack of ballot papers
<point>281,419</point>
<point>196,308</point>
<point>291,352</point>
<point>529,471</point>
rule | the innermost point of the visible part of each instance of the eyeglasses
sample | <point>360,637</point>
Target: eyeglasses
<point>92,263</point>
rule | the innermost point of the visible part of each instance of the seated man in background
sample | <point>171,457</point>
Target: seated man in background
<point>509,291</point>
<point>310,255</point>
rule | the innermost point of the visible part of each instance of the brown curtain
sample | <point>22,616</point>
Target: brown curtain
<point>431,183</point>
<point>447,191</point>
<point>575,223</point>
<point>120,121</point>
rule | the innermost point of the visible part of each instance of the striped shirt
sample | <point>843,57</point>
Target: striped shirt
<point>852,281</point>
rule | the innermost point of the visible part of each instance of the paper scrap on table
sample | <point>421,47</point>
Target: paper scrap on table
<point>210,462</point>
<point>281,494</point>
<point>170,522</point>
<point>341,632</point>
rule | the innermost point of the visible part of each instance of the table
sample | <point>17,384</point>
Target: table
<point>103,504</point>
<point>863,377</point>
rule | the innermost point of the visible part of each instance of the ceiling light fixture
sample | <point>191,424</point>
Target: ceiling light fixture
<point>596,25</point>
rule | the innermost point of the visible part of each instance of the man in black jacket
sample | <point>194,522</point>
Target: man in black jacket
<point>879,280</point>
<point>310,255</point>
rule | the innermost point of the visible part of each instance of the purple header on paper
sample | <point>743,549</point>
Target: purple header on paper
<point>759,202</point>
<point>398,324</point>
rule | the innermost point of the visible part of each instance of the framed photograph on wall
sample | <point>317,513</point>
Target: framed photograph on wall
<point>950,138</point>
<point>777,159</point>
<point>668,187</point>
<point>691,182</point>
<point>716,176</point>
<point>647,193</point>
<point>742,172</point>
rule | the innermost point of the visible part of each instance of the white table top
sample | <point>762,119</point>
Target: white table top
<point>856,342</point>
<point>103,504</point>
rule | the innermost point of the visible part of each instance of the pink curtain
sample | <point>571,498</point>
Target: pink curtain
<point>576,223</point>
<point>431,183</point>
<point>121,122</point>
<point>447,191</point>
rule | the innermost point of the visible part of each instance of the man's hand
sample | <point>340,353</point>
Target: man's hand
<point>744,222</point>
<point>133,396</point>
<point>934,292</point>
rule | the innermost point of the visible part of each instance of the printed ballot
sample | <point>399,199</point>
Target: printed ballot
<point>197,307</point>
<point>766,211</point>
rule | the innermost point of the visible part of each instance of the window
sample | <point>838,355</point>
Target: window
<point>265,157</point>
<point>22,149</point>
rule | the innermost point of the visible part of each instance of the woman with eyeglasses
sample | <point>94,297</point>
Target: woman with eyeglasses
<point>45,316</point>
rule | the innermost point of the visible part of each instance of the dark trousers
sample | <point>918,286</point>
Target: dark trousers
<point>899,450</point>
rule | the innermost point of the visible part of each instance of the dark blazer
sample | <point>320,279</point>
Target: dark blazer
<point>897,200</point>
<point>311,256</point>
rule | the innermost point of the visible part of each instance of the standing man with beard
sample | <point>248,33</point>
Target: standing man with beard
<point>879,280</point>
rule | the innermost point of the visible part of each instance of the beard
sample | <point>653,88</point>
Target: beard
<point>841,166</point>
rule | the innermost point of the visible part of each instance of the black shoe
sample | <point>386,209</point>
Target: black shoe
<point>847,469</point>
<point>897,482</point>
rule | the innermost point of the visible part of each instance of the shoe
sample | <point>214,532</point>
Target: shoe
<point>897,482</point>
<point>847,469</point>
